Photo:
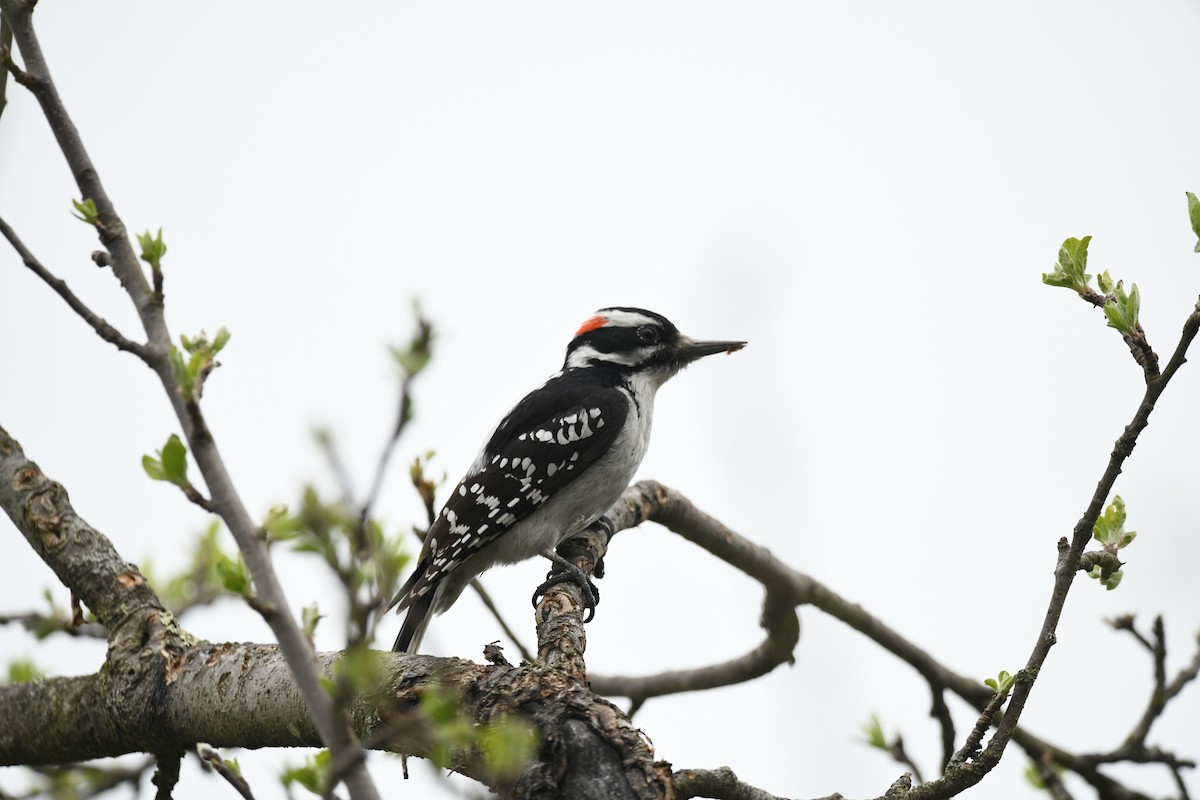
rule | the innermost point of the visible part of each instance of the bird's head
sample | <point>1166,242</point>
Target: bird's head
<point>633,340</point>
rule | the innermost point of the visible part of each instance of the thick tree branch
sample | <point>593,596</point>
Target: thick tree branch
<point>83,558</point>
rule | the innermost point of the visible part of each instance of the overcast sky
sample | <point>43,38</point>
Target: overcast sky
<point>867,192</point>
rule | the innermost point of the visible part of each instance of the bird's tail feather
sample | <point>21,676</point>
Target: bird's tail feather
<point>420,611</point>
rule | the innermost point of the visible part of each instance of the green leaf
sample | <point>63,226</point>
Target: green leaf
<point>85,210</point>
<point>309,617</point>
<point>233,574</point>
<point>1109,529</point>
<point>153,249</point>
<point>873,734</point>
<point>174,461</point>
<point>410,360</point>
<point>313,775</point>
<point>1105,282</point>
<point>1114,580</point>
<point>1122,309</point>
<point>415,356</point>
<point>1034,777</point>
<point>154,468</point>
<point>23,670</point>
<point>1002,683</point>
<point>220,340</point>
<point>509,745</point>
<point>1194,215</point>
<point>1071,270</point>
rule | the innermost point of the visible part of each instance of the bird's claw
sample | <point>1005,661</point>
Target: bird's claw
<point>564,571</point>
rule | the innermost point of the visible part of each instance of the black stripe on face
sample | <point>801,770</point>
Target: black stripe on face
<point>628,330</point>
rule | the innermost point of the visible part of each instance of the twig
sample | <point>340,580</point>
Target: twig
<point>97,780</point>
<point>6,57</point>
<point>648,500</point>
<point>193,494</point>
<point>402,417</point>
<point>41,625</point>
<point>901,756</point>
<point>337,466</point>
<point>210,756</point>
<point>1139,346</point>
<point>958,779</point>
<point>975,737</point>
<point>495,612</point>
<point>102,328</point>
<point>941,712</point>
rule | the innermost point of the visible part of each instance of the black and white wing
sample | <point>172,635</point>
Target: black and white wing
<point>533,454</point>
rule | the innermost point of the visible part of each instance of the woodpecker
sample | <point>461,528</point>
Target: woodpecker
<point>555,464</point>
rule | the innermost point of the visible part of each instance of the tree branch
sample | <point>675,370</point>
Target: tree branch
<point>102,328</point>
<point>214,760</point>
<point>334,727</point>
<point>82,558</point>
<point>720,783</point>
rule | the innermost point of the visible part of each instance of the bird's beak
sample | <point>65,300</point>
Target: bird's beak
<point>690,350</point>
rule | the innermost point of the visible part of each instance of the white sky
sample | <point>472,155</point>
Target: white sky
<point>867,192</point>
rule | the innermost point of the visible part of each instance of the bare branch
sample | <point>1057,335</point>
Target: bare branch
<point>941,712</point>
<point>5,61</point>
<point>477,585</point>
<point>41,625</point>
<point>214,760</point>
<point>900,755</point>
<point>102,328</point>
<point>1139,346</point>
<point>92,781</point>
<point>652,501</point>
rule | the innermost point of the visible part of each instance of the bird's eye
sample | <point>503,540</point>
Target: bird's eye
<point>648,334</point>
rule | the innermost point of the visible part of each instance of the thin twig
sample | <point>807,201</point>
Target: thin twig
<point>193,494</point>
<point>941,712</point>
<point>209,755</point>
<point>901,756</point>
<point>958,779</point>
<point>1138,345</point>
<point>336,465</point>
<point>41,625</point>
<point>102,328</point>
<point>495,612</point>
<point>6,58</point>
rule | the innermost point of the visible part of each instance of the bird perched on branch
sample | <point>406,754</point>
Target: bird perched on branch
<point>555,464</point>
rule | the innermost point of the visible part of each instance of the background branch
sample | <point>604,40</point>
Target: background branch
<point>102,328</point>
<point>334,727</point>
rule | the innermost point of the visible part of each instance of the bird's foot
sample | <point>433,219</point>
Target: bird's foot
<point>566,572</point>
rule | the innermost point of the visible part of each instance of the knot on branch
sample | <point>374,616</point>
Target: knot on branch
<point>41,507</point>
<point>1107,562</point>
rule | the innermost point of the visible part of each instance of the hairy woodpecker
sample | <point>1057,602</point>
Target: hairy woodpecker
<point>555,464</point>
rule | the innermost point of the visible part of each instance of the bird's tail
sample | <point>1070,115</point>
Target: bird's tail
<point>420,611</point>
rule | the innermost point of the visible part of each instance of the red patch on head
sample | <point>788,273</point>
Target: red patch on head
<point>591,325</point>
